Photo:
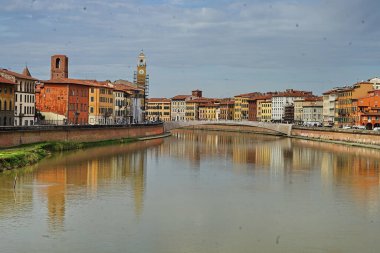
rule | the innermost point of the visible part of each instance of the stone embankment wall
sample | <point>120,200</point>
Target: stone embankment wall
<point>14,136</point>
<point>234,128</point>
<point>365,137</point>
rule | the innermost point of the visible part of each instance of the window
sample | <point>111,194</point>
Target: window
<point>92,99</point>
<point>57,63</point>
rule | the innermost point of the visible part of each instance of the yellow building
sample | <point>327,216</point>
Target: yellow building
<point>346,103</point>
<point>192,108</point>
<point>100,103</point>
<point>7,94</point>
<point>208,111</point>
<point>298,108</point>
<point>227,110</point>
<point>266,110</point>
<point>158,109</point>
<point>241,105</point>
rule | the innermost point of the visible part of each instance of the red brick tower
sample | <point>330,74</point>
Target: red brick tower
<point>59,66</point>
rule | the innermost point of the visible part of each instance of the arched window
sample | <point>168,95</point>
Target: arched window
<point>10,105</point>
<point>57,63</point>
<point>5,105</point>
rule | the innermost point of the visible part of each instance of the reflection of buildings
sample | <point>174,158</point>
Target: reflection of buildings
<point>356,169</point>
<point>92,169</point>
<point>18,201</point>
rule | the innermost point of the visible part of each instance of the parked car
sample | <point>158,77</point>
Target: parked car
<point>376,129</point>
<point>346,127</point>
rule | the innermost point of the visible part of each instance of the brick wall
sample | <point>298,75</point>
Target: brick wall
<point>16,136</point>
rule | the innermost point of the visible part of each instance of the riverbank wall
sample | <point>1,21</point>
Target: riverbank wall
<point>234,128</point>
<point>354,137</point>
<point>15,136</point>
<point>337,135</point>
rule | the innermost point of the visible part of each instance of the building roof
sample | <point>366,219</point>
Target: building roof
<point>260,97</point>
<point>208,105</point>
<point>201,100</point>
<point>6,81</point>
<point>293,93</point>
<point>180,97</point>
<point>158,100</point>
<point>71,81</point>
<point>26,72</point>
<point>231,102</point>
<point>249,95</point>
<point>18,75</point>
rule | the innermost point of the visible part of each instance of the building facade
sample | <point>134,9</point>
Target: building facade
<point>101,103</point>
<point>209,111</point>
<point>266,110</point>
<point>158,109</point>
<point>120,98</point>
<point>368,111</point>
<point>329,100</point>
<point>282,99</point>
<point>312,113</point>
<point>227,110</point>
<point>7,95</point>
<point>178,107</point>
<point>346,103</point>
<point>24,101</point>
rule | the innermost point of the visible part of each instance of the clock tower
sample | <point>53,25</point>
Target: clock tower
<point>141,75</point>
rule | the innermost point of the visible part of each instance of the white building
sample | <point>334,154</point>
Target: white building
<point>312,112</point>
<point>285,98</point>
<point>135,101</point>
<point>376,83</point>
<point>25,105</point>
<point>120,106</point>
<point>178,107</point>
<point>329,101</point>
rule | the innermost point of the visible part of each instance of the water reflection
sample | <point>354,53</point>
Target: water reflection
<point>198,192</point>
<point>70,177</point>
<point>354,168</point>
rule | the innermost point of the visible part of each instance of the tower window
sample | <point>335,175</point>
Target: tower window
<point>57,63</point>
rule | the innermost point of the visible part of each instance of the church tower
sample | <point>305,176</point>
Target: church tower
<point>59,67</point>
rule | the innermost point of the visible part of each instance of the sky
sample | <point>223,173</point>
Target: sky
<point>222,47</point>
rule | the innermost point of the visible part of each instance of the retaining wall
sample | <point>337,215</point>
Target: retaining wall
<point>350,136</point>
<point>14,136</point>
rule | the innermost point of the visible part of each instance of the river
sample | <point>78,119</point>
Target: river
<point>196,191</point>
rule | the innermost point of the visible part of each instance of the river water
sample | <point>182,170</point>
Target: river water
<point>196,192</point>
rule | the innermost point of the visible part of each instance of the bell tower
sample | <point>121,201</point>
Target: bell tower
<point>141,70</point>
<point>59,67</point>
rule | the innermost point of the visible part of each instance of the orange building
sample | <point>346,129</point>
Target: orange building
<point>368,110</point>
<point>346,103</point>
<point>62,100</point>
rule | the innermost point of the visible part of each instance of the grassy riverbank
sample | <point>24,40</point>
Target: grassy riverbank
<point>25,155</point>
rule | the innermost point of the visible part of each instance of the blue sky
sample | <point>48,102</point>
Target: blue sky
<point>222,47</point>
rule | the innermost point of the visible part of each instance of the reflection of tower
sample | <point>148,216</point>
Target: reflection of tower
<point>55,193</point>
<point>138,170</point>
